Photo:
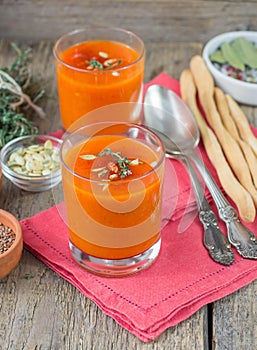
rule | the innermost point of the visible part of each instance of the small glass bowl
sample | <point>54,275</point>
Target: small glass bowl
<point>28,182</point>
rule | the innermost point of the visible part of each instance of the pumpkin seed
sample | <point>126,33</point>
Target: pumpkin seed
<point>46,172</point>
<point>88,156</point>
<point>134,162</point>
<point>35,160</point>
<point>103,54</point>
<point>48,144</point>
<point>33,148</point>
<point>110,62</point>
<point>19,159</point>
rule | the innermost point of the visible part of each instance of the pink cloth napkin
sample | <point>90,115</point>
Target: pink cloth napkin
<point>182,279</point>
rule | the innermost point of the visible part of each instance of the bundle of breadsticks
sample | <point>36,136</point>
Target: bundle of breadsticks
<point>226,134</point>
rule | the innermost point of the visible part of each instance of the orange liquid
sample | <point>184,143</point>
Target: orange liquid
<point>81,91</point>
<point>119,221</point>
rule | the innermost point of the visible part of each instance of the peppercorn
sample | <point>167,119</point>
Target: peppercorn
<point>7,237</point>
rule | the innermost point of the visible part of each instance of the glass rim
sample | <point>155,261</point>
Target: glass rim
<point>80,30</point>
<point>103,181</point>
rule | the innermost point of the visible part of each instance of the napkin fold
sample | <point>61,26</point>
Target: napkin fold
<point>182,279</point>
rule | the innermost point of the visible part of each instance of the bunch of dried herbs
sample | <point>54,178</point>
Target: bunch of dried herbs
<point>16,96</point>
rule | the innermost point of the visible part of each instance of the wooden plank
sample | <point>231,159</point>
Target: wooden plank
<point>46,312</point>
<point>154,21</point>
<point>170,58</point>
<point>238,309</point>
<point>173,58</point>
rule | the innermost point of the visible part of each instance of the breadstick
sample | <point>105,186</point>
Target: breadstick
<point>228,122</point>
<point>223,109</point>
<point>232,187</point>
<point>232,151</point>
<point>242,123</point>
<point>204,84</point>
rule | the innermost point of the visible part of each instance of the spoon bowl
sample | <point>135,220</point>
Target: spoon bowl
<point>172,117</point>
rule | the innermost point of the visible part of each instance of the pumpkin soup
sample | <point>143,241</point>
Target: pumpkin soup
<point>96,73</point>
<point>113,196</point>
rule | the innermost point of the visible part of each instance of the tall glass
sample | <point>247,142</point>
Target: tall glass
<point>98,66</point>
<point>112,182</point>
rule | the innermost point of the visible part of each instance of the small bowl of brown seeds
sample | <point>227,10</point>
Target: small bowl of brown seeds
<point>11,243</point>
<point>32,162</point>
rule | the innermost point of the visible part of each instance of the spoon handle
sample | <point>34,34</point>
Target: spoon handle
<point>239,235</point>
<point>214,240</point>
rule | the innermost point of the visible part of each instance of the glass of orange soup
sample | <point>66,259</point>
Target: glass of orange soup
<point>97,66</point>
<point>112,182</point>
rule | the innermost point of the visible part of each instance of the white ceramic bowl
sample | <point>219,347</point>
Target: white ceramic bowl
<point>241,91</point>
<point>27,182</point>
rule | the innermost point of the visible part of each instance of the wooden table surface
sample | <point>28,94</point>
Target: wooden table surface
<point>46,312</point>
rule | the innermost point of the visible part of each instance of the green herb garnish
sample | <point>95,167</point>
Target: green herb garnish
<point>15,96</point>
<point>95,64</point>
<point>104,62</point>
<point>118,169</point>
<point>122,162</point>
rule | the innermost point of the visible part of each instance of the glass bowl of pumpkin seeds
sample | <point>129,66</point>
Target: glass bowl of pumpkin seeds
<point>232,60</point>
<point>32,162</point>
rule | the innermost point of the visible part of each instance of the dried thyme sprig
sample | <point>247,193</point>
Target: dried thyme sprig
<point>15,81</point>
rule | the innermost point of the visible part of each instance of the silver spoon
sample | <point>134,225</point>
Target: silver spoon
<point>214,240</point>
<point>173,118</point>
